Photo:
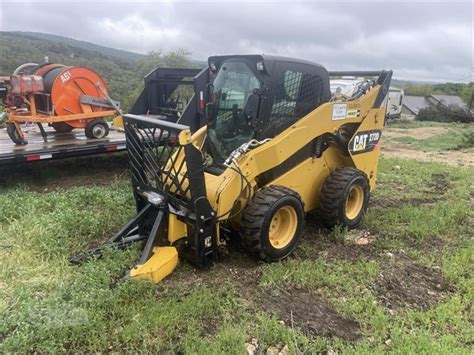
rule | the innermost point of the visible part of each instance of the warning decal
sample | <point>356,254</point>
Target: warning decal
<point>339,112</point>
<point>353,113</point>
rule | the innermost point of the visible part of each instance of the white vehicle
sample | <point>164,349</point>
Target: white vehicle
<point>352,86</point>
<point>394,103</point>
<point>349,86</point>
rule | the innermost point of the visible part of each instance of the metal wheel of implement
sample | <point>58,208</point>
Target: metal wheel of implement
<point>272,223</point>
<point>14,134</point>
<point>97,129</point>
<point>344,198</point>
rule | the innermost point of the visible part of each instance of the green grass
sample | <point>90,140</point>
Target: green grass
<point>47,305</point>
<point>452,140</point>
<point>405,124</point>
<point>456,138</point>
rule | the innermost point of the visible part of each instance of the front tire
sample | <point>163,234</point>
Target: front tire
<point>273,223</point>
<point>344,198</point>
<point>97,129</point>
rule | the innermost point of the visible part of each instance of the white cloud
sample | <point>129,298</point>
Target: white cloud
<point>423,40</point>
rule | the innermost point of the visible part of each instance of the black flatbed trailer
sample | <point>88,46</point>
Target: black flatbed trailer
<point>158,99</point>
<point>58,146</point>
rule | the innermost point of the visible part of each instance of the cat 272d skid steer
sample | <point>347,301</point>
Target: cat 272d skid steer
<point>274,145</point>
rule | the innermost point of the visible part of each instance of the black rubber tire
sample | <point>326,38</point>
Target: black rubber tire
<point>90,129</point>
<point>62,127</point>
<point>334,193</point>
<point>257,216</point>
<point>13,134</point>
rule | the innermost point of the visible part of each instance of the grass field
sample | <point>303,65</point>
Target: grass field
<point>403,282</point>
<point>444,137</point>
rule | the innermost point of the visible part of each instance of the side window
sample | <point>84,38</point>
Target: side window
<point>286,94</point>
<point>296,94</point>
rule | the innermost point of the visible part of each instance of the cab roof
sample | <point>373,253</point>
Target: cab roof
<point>267,59</point>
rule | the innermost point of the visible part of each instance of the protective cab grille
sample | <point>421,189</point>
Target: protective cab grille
<point>296,95</point>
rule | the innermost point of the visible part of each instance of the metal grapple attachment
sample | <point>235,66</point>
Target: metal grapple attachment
<point>173,212</point>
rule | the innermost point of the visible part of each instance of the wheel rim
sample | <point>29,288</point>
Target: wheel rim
<point>354,202</point>
<point>283,227</point>
<point>98,131</point>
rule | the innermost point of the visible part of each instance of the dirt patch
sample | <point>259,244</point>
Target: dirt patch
<point>209,327</point>
<point>238,270</point>
<point>394,149</point>
<point>416,133</point>
<point>305,310</point>
<point>440,183</point>
<point>318,242</point>
<point>450,157</point>
<point>404,283</point>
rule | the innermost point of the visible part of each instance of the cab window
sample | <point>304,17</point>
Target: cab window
<point>296,94</point>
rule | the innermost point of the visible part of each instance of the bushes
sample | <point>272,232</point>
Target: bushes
<point>442,113</point>
<point>468,139</point>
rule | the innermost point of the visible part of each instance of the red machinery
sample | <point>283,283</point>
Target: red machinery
<point>63,97</point>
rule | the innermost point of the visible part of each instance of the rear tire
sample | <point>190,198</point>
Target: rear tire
<point>14,135</point>
<point>273,223</point>
<point>97,129</point>
<point>61,127</point>
<point>344,198</point>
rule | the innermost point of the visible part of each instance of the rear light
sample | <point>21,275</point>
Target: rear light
<point>201,100</point>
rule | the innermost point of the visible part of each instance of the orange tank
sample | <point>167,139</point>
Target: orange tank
<point>66,85</point>
<point>62,97</point>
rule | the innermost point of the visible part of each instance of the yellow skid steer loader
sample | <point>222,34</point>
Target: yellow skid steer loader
<point>276,144</point>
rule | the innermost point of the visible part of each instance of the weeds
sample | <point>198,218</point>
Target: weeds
<point>468,140</point>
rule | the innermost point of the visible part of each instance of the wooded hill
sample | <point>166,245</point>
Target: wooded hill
<point>122,71</point>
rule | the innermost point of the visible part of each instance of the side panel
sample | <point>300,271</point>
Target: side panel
<point>308,177</point>
<point>364,147</point>
<point>176,228</point>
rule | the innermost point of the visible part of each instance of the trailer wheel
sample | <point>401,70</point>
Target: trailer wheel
<point>273,223</point>
<point>344,198</point>
<point>97,129</point>
<point>14,134</point>
<point>61,127</point>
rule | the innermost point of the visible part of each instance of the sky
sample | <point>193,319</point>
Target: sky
<point>430,41</point>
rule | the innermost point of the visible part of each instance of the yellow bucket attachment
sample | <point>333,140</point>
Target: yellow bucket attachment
<point>161,264</point>
<point>117,122</point>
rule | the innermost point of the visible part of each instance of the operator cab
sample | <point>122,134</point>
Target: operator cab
<point>258,97</point>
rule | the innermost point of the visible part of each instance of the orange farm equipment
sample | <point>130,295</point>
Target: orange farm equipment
<point>62,97</point>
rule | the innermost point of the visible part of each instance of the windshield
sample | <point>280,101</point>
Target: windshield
<point>229,127</point>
